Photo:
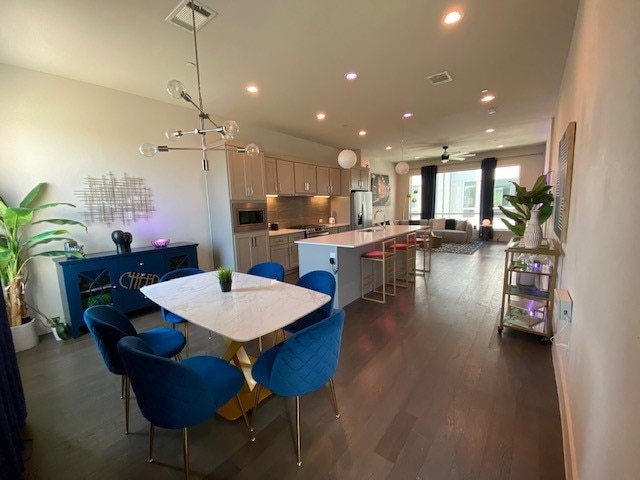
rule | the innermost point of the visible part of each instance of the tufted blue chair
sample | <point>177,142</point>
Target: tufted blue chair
<point>302,364</point>
<point>272,270</point>
<point>178,394</point>
<point>108,325</point>
<point>320,281</point>
<point>170,316</point>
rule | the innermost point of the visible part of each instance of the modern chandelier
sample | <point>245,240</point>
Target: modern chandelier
<point>228,130</point>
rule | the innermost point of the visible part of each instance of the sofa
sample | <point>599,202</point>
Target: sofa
<point>451,230</point>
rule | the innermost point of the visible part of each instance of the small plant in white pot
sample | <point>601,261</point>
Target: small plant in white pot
<point>19,246</point>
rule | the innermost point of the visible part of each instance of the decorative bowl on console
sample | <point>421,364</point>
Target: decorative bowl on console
<point>160,243</point>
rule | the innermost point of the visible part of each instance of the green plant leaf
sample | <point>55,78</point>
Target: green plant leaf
<point>49,205</point>
<point>62,221</point>
<point>33,195</point>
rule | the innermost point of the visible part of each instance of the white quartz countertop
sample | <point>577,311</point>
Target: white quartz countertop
<point>358,238</point>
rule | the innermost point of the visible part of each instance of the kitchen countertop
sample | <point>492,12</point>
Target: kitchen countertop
<point>358,238</point>
<point>284,231</point>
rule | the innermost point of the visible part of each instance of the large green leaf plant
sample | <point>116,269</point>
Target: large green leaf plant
<point>523,202</point>
<point>18,247</point>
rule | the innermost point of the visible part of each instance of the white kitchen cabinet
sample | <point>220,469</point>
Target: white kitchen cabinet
<point>328,181</point>
<point>305,179</point>
<point>284,250</point>
<point>246,176</point>
<point>356,178</point>
<point>250,248</point>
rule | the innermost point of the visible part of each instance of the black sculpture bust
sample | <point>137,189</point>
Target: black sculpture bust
<point>122,240</point>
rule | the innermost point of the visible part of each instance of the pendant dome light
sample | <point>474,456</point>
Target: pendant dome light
<point>347,158</point>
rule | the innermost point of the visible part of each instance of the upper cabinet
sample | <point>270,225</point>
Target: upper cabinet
<point>246,176</point>
<point>305,178</point>
<point>356,178</point>
<point>328,181</point>
<point>278,176</point>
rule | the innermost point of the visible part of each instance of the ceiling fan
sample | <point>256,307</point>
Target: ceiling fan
<point>459,156</point>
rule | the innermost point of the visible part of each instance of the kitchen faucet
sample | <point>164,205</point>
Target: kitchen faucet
<point>384,219</point>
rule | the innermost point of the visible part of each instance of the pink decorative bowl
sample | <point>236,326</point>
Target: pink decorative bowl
<point>160,243</point>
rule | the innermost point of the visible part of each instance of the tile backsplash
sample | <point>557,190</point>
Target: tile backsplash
<point>288,211</point>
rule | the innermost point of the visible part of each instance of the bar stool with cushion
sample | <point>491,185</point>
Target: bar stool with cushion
<point>387,259</point>
<point>423,243</point>
<point>409,249</point>
<point>171,317</point>
<point>108,325</point>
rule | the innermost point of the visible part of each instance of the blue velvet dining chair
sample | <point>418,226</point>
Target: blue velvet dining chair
<point>171,317</point>
<point>179,395</point>
<point>108,325</point>
<point>302,364</point>
<point>273,270</point>
<point>320,281</point>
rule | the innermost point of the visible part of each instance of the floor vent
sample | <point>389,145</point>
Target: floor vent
<point>181,15</point>
<point>440,78</point>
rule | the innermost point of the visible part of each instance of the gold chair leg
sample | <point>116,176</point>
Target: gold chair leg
<point>185,449</point>
<point>178,357</point>
<point>151,432</point>
<point>299,463</point>
<point>186,337</point>
<point>252,437</point>
<point>122,387</point>
<point>334,400</point>
<point>255,408</point>
<point>260,344</point>
<point>127,396</point>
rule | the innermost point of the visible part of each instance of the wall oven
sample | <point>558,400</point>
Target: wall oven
<point>249,216</point>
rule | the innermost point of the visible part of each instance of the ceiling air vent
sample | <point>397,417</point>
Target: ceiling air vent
<point>181,15</point>
<point>440,78</point>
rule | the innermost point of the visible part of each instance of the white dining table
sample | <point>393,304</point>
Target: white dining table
<point>254,307</point>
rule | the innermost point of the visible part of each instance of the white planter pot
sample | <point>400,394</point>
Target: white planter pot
<point>533,231</point>
<point>24,336</point>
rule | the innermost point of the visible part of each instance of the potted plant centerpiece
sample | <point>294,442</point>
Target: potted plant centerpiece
<point>524,202</point>
<point>225,275</point>
<point>19,245</point>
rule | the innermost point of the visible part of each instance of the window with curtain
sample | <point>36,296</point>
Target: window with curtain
<point>503,186</point>
<point>415,192</point>
<point>458,195</point>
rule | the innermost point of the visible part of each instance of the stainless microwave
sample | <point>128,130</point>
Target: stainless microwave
<point>249,216</point>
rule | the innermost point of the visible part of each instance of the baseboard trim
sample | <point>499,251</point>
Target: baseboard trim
<point>568,443</point>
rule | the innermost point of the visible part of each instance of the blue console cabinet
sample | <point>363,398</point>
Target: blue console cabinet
<point>115,279</point>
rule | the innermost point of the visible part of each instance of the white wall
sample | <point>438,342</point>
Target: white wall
<point>60,131</point>
<point>598,374</point>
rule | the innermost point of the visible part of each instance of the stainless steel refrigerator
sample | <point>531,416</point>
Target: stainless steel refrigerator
<point>361,210</point>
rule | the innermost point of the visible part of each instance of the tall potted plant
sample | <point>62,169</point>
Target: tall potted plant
<point>18,246</point>
<point>523,203</point>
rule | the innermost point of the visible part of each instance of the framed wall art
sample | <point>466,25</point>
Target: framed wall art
<point>381,190</point>
<point>562,193</point>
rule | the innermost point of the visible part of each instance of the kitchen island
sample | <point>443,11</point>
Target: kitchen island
<point>346,248</point>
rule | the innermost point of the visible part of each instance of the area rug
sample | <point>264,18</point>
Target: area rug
<point>466,248</point>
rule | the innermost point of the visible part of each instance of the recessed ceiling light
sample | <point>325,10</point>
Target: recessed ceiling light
<point>407,115</point>
<point>453,16</point>
<point>388,147</point>
<point>351,76</point>
<point>321,116</point>
<point>252,89</point>
<point>362,133</point>
<point>500,146</point>
<point>487,98</point>
<point>416,157</point>
<point>490,130</point>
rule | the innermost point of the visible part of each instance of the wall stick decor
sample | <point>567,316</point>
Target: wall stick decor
<point>562,193</point>
<point>108,199</point>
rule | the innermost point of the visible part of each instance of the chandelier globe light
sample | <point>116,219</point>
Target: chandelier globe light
<point>228,130</point>
<point>402,168</point>
<point>347,158</point>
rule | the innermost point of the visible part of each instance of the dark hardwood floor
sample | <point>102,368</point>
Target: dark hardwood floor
<point>426,387</point>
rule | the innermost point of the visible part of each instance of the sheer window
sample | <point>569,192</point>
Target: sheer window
<point>415,194</point>
<point>458,195</point>
<point>503,186</point>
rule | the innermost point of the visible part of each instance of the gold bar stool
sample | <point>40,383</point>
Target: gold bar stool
<point>423,243</point>
<point>409,249</point>
<point>386,257</point>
